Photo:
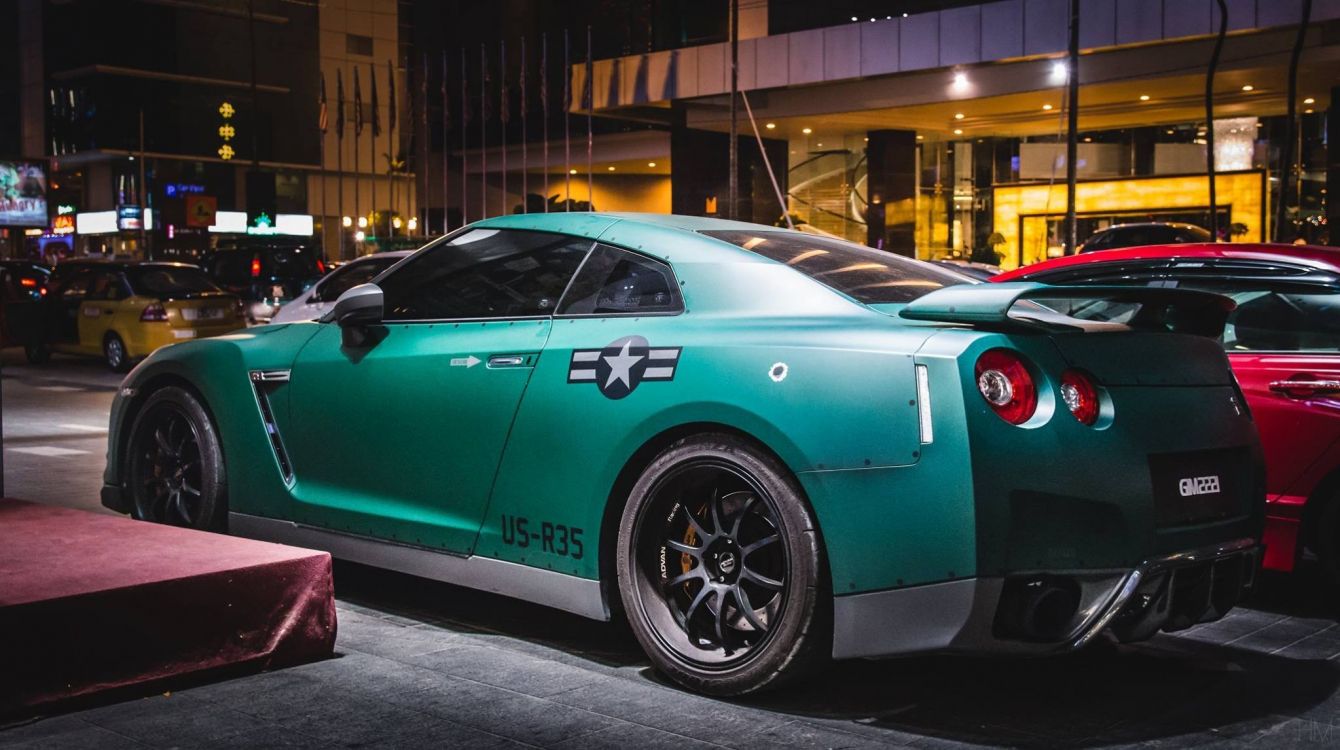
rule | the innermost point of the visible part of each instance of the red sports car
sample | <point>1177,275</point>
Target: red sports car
<point>1283,341</point>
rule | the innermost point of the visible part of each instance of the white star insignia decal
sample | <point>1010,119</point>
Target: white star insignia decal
<point>620,365</point>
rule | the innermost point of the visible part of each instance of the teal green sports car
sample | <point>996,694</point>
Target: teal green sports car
<point>765,448</point>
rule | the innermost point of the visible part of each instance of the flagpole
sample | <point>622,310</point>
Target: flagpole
<point>590,105</point>
<point>544,110</point>
<point>567,121</point>
<point>484,130</point>
<point>372,148</point>
<point>339,153</point>
<point>426,200</point>
<point>525,196</point>
<point>358,128</point>
<point>446,121</point>
<point>465,121</point>
<point>321,127</point>
<point>503,112</point>
<point>390,146</point>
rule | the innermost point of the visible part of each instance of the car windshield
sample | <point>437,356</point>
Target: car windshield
<point>292,262</point>
<point>864,274</point>
<point>169,281</point>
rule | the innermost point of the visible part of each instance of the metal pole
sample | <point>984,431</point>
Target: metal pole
<point>732,204</point>
<point>503,115</point>
<point>446,127</point>
<point>776,188</point>
<point>525,186</point>
<point>590,140</point>
<point>465,121</point>
<point>1209,118</point>
<point>144,207</point>
<point>484,130</point>
<point>1286,172</point>
<point>1072,135</point>
<point>567,122</point>
<point>544,110</point>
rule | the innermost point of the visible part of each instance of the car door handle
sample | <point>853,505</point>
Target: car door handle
<point>1305,388</point>
<point>507,360</point>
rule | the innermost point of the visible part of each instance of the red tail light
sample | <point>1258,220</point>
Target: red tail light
<point>1004,381</point>
<point>320,266</point>
<point>1080,396</point>
<point>154,313</point>
<point>255,267</point>
<point>28,281</point>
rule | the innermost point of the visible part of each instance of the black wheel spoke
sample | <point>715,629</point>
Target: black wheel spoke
<point>163,448</point>
<point>694,552</point>
<point>760,579</point>
<point>694,574</point>
<point>740,516</point>
<point>703,594</point>
<point>747,609</point>
<point>748,548</point>
<point>718,527</point>
<point>698,530</point>
<point>719,623</point>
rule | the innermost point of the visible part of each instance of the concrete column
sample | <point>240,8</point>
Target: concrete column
<point>700,173</point>
<point>891,188</point>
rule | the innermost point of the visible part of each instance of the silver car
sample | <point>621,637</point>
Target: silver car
<point>314,302</point>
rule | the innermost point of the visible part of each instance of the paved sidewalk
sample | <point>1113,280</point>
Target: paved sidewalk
<point>425,664</point>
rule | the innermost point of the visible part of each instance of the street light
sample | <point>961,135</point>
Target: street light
<point>347,221</point>
<point>359,236</point>
<point>362,223</point>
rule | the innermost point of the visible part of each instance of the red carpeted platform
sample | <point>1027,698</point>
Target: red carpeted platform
<point>92,602</point>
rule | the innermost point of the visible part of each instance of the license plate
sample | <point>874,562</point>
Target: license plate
<point>204,313</point>
<point>1199,486</point>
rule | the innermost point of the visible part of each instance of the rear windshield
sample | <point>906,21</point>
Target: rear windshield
<point>291,262</point>
<point>169,281</point>
<point>866,275</point>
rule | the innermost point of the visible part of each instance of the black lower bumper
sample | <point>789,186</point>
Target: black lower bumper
<point>1048,612</point>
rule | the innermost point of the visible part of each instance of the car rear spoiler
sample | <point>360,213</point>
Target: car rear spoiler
<point>996,307</point>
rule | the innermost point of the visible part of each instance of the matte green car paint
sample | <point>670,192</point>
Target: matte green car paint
<point>381,442</point>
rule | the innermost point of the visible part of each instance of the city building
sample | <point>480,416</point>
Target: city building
<point>929,129</point>
<point>161,127</point>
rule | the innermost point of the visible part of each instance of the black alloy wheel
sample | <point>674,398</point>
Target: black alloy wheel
<point>175,464</point>
<point>720,569</point>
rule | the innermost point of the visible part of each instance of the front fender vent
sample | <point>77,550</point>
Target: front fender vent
<point>265,382</point>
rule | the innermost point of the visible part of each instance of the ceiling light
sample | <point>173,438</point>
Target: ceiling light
<point>1307,111</point>
<point>1170,132</point>
<point>820,145</point>
<point>921,137</point>
<point>771,126</point>
<point>1248,87</point>
<point>1144,97</point>
<point>960,79</point>
<point>1058,70</point>
<point>572,171</point>
<point>806,131</point>
<point>958,115</point>
<point>359,236</point>
<point>853,18</point>
<point>1309,100</point>
<point>651,163</point>
<point>610,168</point>
<point>347,221</point>
<point>958,131</point>
<point>1087,139</point>
<point>1046,108</point>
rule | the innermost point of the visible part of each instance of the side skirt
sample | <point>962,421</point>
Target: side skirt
<point>579,596</point>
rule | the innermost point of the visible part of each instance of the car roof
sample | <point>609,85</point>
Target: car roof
<point>124,263</point>
<point>1328,257</point>
<point>1137,224</point>
<point>388,254</point>
<point>671,237</point>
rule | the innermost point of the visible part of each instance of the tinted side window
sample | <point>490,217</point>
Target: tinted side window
<point>349,276</point>
<point>75,285</point>
<point>616,281</point>
<point>1280,319</point>
<point>485,273</point>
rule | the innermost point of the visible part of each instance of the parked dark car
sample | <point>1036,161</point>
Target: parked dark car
<point>28,278</point>
<point>1148,233</point>
<point>19,303</point>
<point>266,274</point>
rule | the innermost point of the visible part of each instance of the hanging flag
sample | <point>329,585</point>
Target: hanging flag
<point>390,104</point>
<point>322,116</point>
<point>339,104</point>
<point>358,106</point>
<point>376,114</point>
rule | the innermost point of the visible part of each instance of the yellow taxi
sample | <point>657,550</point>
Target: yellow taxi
<point>123,310</point>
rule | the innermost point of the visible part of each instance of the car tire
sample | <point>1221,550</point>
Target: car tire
<point>1325,541</point>
<point>37,353</point>
<point>718,607</point>
<point>115,354</point>
<point>174,467</point>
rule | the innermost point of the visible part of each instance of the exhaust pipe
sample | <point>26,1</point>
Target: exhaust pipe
<point>1038,608</point>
